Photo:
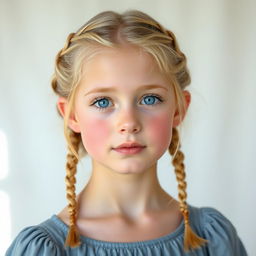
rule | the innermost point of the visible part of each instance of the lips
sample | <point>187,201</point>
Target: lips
<point>129,148</point>
<point>130,145</point>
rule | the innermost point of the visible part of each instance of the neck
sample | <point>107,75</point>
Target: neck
<point>128,195</point>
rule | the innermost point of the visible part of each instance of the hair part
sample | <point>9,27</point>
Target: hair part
<point>112,30</point>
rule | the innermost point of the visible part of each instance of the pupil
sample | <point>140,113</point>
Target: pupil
<point>150,99</point>
<point>103,103</point>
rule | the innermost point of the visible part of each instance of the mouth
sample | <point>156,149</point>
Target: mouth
<point>129,150</point>
<point>130,145</point>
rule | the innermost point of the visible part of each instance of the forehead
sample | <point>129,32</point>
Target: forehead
<point>126,65</point>
<point>120,57</point>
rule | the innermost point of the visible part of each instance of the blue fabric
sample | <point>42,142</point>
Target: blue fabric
<point>47,239</point>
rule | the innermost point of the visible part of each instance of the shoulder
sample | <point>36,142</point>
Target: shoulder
<point>43,239</point>
<point>221,234</point>
<point>206,217</point>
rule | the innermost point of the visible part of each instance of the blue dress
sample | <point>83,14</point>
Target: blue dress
<point>47,239</point>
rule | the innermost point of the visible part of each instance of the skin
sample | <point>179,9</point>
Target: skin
<point>124,190</point>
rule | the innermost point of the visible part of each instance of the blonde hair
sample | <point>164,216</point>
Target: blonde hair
<point>110,29</point>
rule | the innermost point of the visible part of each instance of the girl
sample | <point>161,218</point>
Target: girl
<point>121,82</point>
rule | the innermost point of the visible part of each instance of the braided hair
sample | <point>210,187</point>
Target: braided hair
<point>109,29</point>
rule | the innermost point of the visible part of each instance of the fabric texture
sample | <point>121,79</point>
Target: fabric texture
<point>48,238</point>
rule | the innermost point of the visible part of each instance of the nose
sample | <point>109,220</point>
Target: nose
<point>128,122</point>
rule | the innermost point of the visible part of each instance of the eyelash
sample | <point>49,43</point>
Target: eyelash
<point>147,95</point>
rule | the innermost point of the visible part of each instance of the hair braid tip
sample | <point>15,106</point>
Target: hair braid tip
<point>191,239</point>
<point>73,237</point>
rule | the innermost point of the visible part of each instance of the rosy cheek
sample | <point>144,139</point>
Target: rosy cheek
<point>160,130</point>
<point>94,135</point>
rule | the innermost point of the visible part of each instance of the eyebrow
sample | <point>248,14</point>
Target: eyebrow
<point>111,89</point>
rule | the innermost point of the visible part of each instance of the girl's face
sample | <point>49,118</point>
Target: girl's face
<point>123,98</point>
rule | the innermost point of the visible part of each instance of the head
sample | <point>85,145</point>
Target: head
<point>105,32</point>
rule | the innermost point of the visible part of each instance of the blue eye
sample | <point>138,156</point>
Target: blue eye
<point>103,102</point>
<point>151,99</point>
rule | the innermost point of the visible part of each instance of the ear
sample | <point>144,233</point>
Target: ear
<point>177,119</point>
<point>73,123</point>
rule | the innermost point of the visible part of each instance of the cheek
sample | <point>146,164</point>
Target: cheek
<point>94,135</point>
<point>160,130</point>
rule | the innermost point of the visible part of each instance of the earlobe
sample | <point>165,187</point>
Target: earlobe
<point>61,105</point>
<point>178,118</point>
<point>73,124</point>
<point>187,97</point>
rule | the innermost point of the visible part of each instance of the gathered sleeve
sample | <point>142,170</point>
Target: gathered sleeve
<point>34,240</point>
<point>221,235</point>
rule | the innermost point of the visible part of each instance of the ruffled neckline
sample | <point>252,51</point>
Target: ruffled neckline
<point>178,232</point>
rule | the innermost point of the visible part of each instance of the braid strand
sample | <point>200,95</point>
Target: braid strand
<point>191,240</point>
<point>72,239</point>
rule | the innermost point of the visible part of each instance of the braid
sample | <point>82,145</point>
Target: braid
<point>182,73</point>
<point>60,75</point>
<point>72,239</point>
<point>191,240</point>
<point>66,46</point>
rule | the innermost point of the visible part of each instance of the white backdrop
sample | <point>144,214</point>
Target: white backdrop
<point>219,39</point>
